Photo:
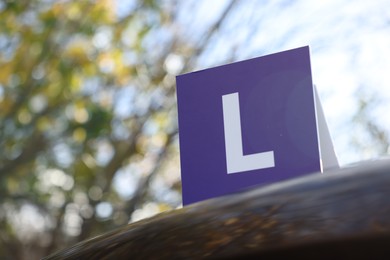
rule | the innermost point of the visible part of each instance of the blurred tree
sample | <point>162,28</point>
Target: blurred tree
<point>370,136</point>
<point>87,112</point>
<point>88,131</point>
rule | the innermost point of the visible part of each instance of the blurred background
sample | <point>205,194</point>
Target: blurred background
<point>88,120</point>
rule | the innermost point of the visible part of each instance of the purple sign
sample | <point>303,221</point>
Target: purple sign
<point>247,123</point>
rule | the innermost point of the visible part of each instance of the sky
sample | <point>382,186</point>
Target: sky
<point>349,43</point>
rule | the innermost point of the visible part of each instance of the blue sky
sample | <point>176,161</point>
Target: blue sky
<point>349,42</point>
<point>350,49</point>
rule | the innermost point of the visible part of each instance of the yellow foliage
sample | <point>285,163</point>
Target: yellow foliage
<point>103,10</point>
<point>5,105</point>
<point>89,69</point>
<point>5,72</point>
<point>161,119</point>
<point>77,51</point>
<point>24,116</point>
<point>73,12</point>
<point>79,134</point>
<point>75,82</point>
<point>53,89</point>
<point>80,113</point>
<point>57,9</point>
<point>43,124</point>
